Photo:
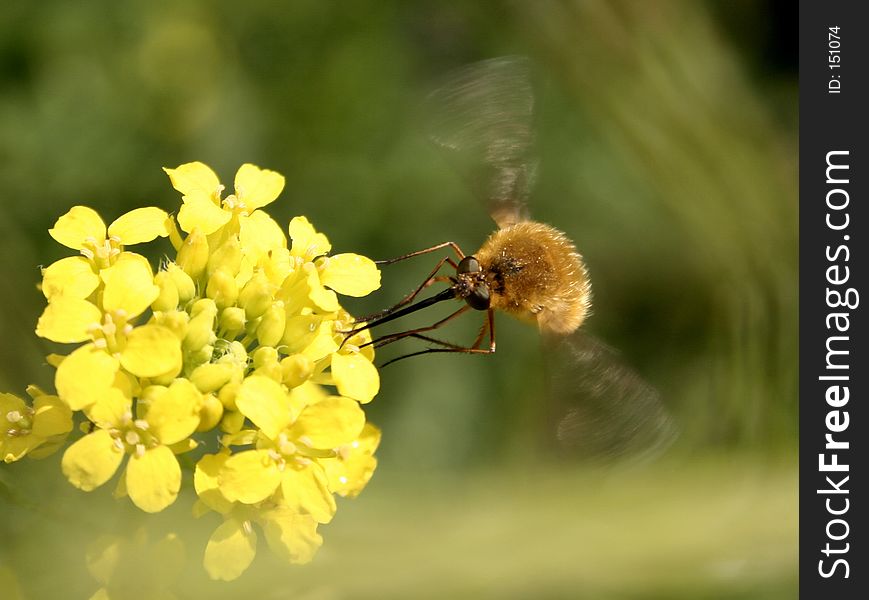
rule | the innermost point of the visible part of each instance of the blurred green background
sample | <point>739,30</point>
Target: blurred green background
<point>667,137</point>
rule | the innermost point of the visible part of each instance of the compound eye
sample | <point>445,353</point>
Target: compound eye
<point>479,298</point>
<point>469,264</point>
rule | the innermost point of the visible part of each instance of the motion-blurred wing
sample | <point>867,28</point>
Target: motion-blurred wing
<point>482,117</point>
<point>603,410</point>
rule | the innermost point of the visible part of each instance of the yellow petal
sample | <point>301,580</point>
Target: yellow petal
<point>194,177</point>
<point>51,417</point>
<point>174,415</point>
<point>183,446</point>
<point>355,377</point>
<point>307,243</point>
<point>324,299</point>
<point>349,478</point>
<point>207,484</point>
<point>257,187</point>
<point>10,403</point>
<point>306,490</point>
<point>84,375</point>
<point>249,477</point>
<point>259,234</point>
<point>141,225</point>
<point>329,423</point>
<point>68,320</point>
<point>78,225</point>
<point>277,265</point>
<point>152,350</point>
<point>153,479</point>
<point>264,401</point>
<point>232,421</point>
<point>294,293</point>
<point>291,536</point>
<point>351,470</point>
<point>306,394</point>
<point>300,332</point>
<point>109,407</point>
<point>230,550</point>
<point>350,274</point>
<point>130,285</point>
<point>72,276</point>
<point>193,254</point>
<point>14,448</point>
<point>91,461</point>
<point>199,211</point>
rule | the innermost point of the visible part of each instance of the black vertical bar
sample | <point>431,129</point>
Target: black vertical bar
<point>834,370</point>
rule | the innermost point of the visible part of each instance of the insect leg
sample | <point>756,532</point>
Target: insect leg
<point>449,347</point>
<point>392,337</point>
<point>446,294</point>
<point>452,245</point>
<point>409,298</point>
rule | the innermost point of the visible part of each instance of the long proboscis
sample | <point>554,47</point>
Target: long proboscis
<point>447,294</point>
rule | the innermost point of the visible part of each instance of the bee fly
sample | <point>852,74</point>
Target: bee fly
<point>482,119</point>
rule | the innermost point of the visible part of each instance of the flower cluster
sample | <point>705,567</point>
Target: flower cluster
<point>235,345</point>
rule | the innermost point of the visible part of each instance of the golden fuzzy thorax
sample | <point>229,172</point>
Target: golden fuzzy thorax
<point>535,273</point>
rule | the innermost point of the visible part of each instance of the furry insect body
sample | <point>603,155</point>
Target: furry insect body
<point>535,273</point>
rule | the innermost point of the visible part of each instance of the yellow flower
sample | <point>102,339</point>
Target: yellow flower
<point>149,350</point>
<point>128,290</point>
<point>232,546</point>
<point>320,339</point>
<point>153,476</point>
<point>205,209</point>
<point>349,472</point>
<point>314,317</point>
<point>24,428</point>
<point>291,439</point>
<point>83,229</point>
<point>238,334</point>
<point>354,375</point>
<point>348,274</point>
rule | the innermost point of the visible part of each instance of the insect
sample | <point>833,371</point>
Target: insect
<point>482,118</point>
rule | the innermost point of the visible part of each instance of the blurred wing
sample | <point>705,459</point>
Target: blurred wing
<point>482,117</point>
<point>603,410</point>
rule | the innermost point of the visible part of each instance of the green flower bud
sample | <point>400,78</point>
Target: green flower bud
<point>183,283</point>
<point>231,321</point>
<point>193,255</point>
<point>272,371</point>
<point>232,422</point>
<point>296,370</point>
<point>256,295</point>
<point>200,331</point>
<point>168,298</point>
<point>228,393</point>
<point>222,288</point>
<point>200,356</point>
<point>235,354</point>
<point>264,355</point>
<point>265,361</point>
<point>176,320</point>
<point>210,412</point>
<point>203,305</point>
<point>226,258</point>
<point>271,328</point>
<point>210,377</point>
